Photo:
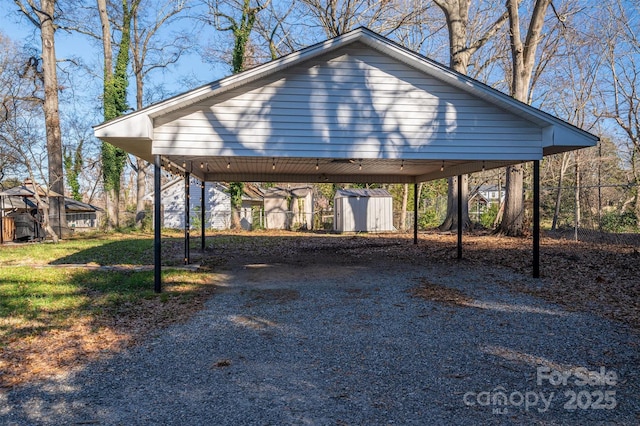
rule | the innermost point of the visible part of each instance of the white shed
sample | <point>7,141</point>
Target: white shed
<point>289,208</point>
<point>363,210</point>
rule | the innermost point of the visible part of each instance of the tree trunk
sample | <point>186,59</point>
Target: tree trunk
<point>451,221</point>
<point>141,184</point>
<point>556,213</point>
<point>115,104</point>
<point>110,196</point>
<point>141,165</point>
<point>523,56</point>
<point>457,16</point>
<point>57,216</point>
<point>405,200</point>
<point>456,13</point>
<point>513,213</point>
<point>111,208</point>
<point>106,39</point>
<point>235,219</point>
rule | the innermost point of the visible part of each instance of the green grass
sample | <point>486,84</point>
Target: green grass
<point>101,249</point>
<point>35,298</point>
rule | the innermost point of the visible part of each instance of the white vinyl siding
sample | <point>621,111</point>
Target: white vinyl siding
<point>358,104</point>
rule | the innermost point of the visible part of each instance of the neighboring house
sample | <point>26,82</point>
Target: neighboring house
<point>81,216</point>
<point>363,210</point>
<point>492,193</point>
<point>22,217</point>
<point>288,208</point>
<point>485,197</point>
<point>478,204</point>
<point>217,205</point>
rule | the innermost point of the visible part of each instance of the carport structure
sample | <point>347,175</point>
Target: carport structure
<point>356,108</point>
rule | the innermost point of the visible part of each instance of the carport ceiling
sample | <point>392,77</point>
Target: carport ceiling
<point>297,169</point>
<point>357,108</point>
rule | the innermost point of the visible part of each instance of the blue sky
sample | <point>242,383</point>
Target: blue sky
<point>191,68</point>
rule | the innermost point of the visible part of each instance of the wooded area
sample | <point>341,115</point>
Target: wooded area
<point>574,59</point>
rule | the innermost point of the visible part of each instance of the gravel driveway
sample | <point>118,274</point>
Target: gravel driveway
<point>353,345</point>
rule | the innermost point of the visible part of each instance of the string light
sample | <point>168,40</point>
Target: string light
<point>317,166</point>
<point>184,164</point>
<point>273,165</point>
<point>442,167</point>
<point>402,165</point>
<point>360,165</point>
<point>201,165</point>
<point>229,165</point>
<point>483,165</point>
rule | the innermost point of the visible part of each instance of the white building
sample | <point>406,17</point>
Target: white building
<point>363,210</point>
<point>492,193</point>
<point>289,208</point>
<point>217,205</point>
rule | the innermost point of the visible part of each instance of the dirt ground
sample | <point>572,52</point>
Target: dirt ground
<point>600,278</point>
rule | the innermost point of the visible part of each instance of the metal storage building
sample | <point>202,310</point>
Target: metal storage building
<point>363,210</point>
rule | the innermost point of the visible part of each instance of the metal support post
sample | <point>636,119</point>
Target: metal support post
<point>536,219</point>
<point>460,217</point>
<point>157,223</point>
<point>415,213</point>
<point>203,206</point>
<point>187,214</point>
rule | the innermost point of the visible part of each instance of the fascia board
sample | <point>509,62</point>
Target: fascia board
<point>131,126</point>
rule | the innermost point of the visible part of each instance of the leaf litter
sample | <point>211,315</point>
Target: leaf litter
<point>599,277</point>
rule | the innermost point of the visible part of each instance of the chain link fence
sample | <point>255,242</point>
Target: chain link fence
<point>593,213</point>
<point>604,213</point>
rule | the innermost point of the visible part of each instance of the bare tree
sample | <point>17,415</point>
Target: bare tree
<point>336,17</point>
<point>572,87</point>
<point>274,27</point>
<point>150,53</point>
<point>13,67</point>
<point>237,17</point>
<point>523,59</point>
<point>424,31</point>
<point>622,96</point>
<point>43,16</point>
<point>461,49</point>
<point>20,113</point>
<point>241,28</point>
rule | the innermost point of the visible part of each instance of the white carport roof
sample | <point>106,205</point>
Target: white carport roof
<point>356,108</point>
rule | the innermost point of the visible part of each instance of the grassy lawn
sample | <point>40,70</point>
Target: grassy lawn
<point>103,249</point>
<point>52,316</point>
